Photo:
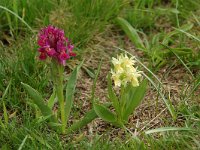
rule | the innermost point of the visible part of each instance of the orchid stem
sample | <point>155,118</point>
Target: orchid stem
<point>58,81</point>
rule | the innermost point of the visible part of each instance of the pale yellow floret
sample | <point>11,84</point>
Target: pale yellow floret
<point>116,78</point>
<point>118,68</point>
<point>124,72</point>
<point>134,81</point>
<point>126,61</point>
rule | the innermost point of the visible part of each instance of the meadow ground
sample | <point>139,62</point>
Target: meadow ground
<point>163,35</point>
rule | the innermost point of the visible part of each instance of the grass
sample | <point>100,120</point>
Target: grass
<point>167,43</point>
<point>83,22</point>
<point>17,16</point>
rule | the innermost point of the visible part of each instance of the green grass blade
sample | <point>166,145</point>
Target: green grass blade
<point>5,113</point>
<point>42,119</point>
<point>195,87</point>
<point>168,104</point>
<point>169,35</point>
<point>23,142</point>
<point>95,81</point>
<point>188,34</point>
<point>195,17</point>
<point>2,125</point>
<point>21,19</point>
<point>89,72</point>
<point>9,23</point>
<point>15,10</point>
<point>41,140</point>
<point>186,67</point>
<point>131,33</point>
<point>165,129</point>
<point>6,91</point>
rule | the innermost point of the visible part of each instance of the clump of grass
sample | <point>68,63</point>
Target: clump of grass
<point>28,11</point>
<point>82,20</point>
<point>19,64</point>
<point>146,14</point>
<point>140,14</point>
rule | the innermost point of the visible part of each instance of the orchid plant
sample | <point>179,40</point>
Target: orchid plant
<point>53,45</point>
<point>125,77</point>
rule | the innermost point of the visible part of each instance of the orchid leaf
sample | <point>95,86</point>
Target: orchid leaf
<point>70,90</point>
<point>104,113</point>
<point>112,95</point>
<point>38,100</point>
<point>89,116</point>
<point>131,33</point>
<point>135,96</point>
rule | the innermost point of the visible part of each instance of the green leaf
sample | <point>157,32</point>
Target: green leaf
<point>89,71</point>
<point>42,119</point>
<point>17,16</point>
<point>53,124</point>
<point>5,113</point>
<point>6,91</point>
<point>70,90</point>
<point>168,104</point>
<point>186,67</point>
<point>89,116</point>
<point>188,34</point>
<point>164,129</point>
<point>183,51</point>
<point>179,51</point>
<point>169,35</point>
<point>173,10</point>
<point>104,113</point>
<point>135,96</point>
<point>95,81</point>
<point>38,100</point>
<point>131,33</point>
<point>112,95</point>
<point>40,139</point>
<point>52,100</point>
<point>2,124</point>
<point>23,142</point>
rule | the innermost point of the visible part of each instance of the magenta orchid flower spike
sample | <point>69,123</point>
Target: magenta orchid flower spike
<point>54,44</point>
